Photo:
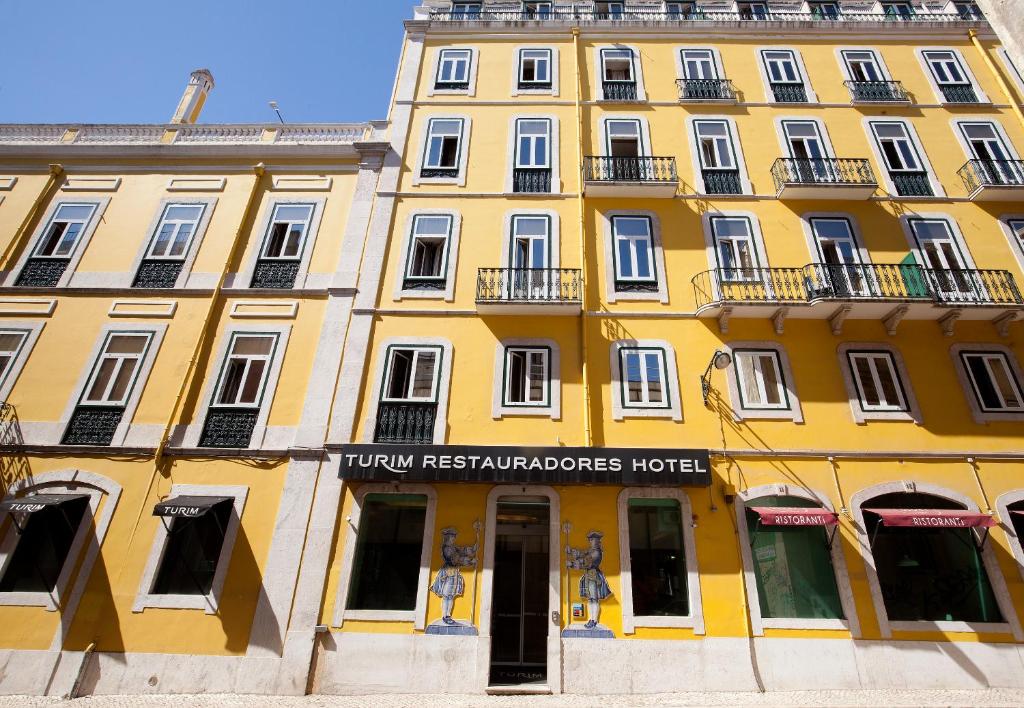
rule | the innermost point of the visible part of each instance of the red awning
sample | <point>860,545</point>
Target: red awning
<point>795,516</point>
<point>934,518</point>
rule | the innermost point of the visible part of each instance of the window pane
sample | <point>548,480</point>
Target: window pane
<point>247,346</point>
<point>180,212</point>
<point>232,381</point>
<point>126,344</point>
<point>99,387</point>
<point>770,375</point>
<point>516,378</point>
<point>538,376</point>
<point>432,225</point>
<point>253,381</point>
<point>657,558</point>
<point>983,382</point>
<point>400,374</point>
<point>190,558</point>
<point>67,242</point>
<point>163,238</point>
<point>123,379</point>
<point>634,381</point>
<point>386,567</point>
<point>423,384</point>
<point>181,240</point>
<point>11,341</point>
<point>43,548</point>
<point>654,384</point>
<point>867,381</point>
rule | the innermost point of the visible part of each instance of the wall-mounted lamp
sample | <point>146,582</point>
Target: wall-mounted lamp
<point>719,360</point>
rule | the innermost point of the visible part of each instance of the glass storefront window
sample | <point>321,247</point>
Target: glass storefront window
<point>386,568</point>
<point>929,574</point>
<point>657,558</point>
<point>792,566</point>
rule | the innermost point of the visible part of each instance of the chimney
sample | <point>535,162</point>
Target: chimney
<point>191,104</point>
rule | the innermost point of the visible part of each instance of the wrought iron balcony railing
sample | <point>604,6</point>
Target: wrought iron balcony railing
<point>534,85</point>
<point>974,287</point>
<point>825,171</point>
<point>513,12</point>
<point>766,285</point>
<point>619,90</point>
<point>877,91</point>
<point>630,169</point>
<point>555,285</point>
<point>157,273</point>
<point>959,93</point>
<point>912,184</point>
<point>274,273</point>
<point>229,427</point>
<point>93,425</point>
<point>438,172</point>
<point>531,180</point>
<point>451,85</point>
<point>405,423</point>
<point>789,93</point>
<point>992,173</point>
<point>866,281</point>
<point>722,182</point>
<point>42,272</point>
<point>414,283</point>
<point>706,90</point>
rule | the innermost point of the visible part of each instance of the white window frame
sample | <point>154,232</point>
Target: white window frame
<point>274,220</point>
<point>814,245</point>
<point>99,205</point>
<point>638,70</point>
<point>746,188</point>
<point>753,358</point>
<point>1015,74</point>
<point>959,124</point>
<point>188,258</point>
<point>762,67</point>
<point>303,279</point>
<point>980,415</point>
<point>906,221</point>
<point>209,603</point>
<point>938,191</point>
<point>711,239</point>
<point>822,131</point>
<point>554,151</point>
<point>793,410</point>
<point>933,81</point>
<point>552,69</point>
<point>119,364</point>
<point>630,621</point>
<point>178,224</point>
<point>31,331</point>
<point>622,410</point>
<point>418,616</point>
<point>424,148</point>
<point>471,72</point>
<point>643,131</point>
<point>417,351</point>
<point>1016,242</point>
<point>759,623</point>
<point>716,59</point>
<point>844,67</point>
<point>268,360</point>
<point>552,408</point>
<point>450,262</point>
<point>553,236</point>
<point>442,382</point>
<point>611,294</point>
<point>862,415</point>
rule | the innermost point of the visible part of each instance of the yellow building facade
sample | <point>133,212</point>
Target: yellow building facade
<point>647,346</point>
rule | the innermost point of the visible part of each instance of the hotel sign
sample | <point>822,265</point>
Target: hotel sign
<point>525,465</point>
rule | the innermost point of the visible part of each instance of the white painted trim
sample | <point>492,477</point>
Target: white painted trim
<point>937,189</point>
<point>620,411</point>
<point>451,264</point>
<point>784,146</point>
<point>919,52</point>
<point>630,621</point>
<point>303,278</point>
<point>981,417</point>
<point>711,247</point>
<point>1016,243</point>
<point>209,204</point>
<point>769,95</point>
<point>443,386</point>
<point>746,186</point>
<point>1015,542</point>
<point>516,54</point>
<point>554,236</point>
<point>554,150</point>
<point>995,576</point>
<point>879,59</point>
<point>32,329</point>
<point>146,308</point>
<point>287,183</point>
<point>209,603</point>
<point>553,409</point>
<point>861,416</point>
<point>646,148</point>
<point>638,70</point>
<point>474,61</point>
<point>812,241</point>
<point>739,411</point>
<point>1011,69</point>
<point>418,616</point>
<point>459,179</point>
<point>84,238</point>
<point>196,184</point>
<point>274,311</point>
<point>7,183</point>
<point>955,126</point>
<point>842,577</point>
<point>91,184</point>
<point>8,306</point>
<point>716,57</point>
<point>954,229</point>
<point>611,294</point>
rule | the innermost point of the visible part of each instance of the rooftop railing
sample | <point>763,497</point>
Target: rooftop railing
<point>570,13</point>
<point>174,134</point>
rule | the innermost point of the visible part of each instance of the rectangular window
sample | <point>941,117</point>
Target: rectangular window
<point>735,249</point>
<point>612,10</point>
<point>453,69</point>
<point>444,143</point>
<point>698,64</point>
<point>466,10</point>
<point>898,10</point>
<point>174,233</point>
<point>714,139</point>
<point>245,372</point>
<point>624,138</point>
<point>617,65</point>
<point>995,385</point>
<point>643,378</point>
<point>901,157</point>
<point>535,68</point>
<point>537,10</point>
<point>946,68</point>
<point>680,10</point>
<point>411,374</point>
<point>787,83</point>
<point>527,376</point>
<point>286,235</point>
<point>11,343</point>
<point>760,381</point>
<point>825,10</point>
<point>189,561</point>
<point>115,371</point>
<point>42,547</point>
<point>878,385</point>
<point>969,10</point>
<point>753,10</point>
<point>633,250</point>
<point>657,559</point>
<point>533,143</point>
<point>863,65</point>
<point>1016,228</point>
<point>389,549</point>
<point>65,228</point>
<point>427,261</point>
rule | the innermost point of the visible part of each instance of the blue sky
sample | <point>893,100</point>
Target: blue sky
<point>127,61</point>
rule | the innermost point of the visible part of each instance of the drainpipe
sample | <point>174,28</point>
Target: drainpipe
<point>56,172</point>
<point>1004,87</point>
<point>587,432</point>
<point>76,687</point>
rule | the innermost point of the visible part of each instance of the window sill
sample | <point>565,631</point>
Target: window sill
<point>742,414</point>
<point>862,417</point>
<point>176,602</point>
<point>950,626</point>
<point>630,623</point>
<point>667,413</point>
<point>379,616</point>
<point>798,623</point>
<point>504,411</point>
<point>28,599</point>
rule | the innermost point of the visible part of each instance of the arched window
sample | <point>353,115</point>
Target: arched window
<point>929,563</point>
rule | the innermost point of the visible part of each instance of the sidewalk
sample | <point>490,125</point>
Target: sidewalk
<point>889,699</point>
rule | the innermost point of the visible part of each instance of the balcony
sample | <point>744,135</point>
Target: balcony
<point>278,274</point>
<point>229,427</point>
<point>157,273</point>
<point>823,178</point>
<point>92,425</point>
<point>706,90</point>
<point>877,282</point>
<point>912,184</point>
<point>619,91</point>
<point>974,287</point>
<point>630,177</point>
<point>872,92</point>
<point>42,272</point>
<point>526,291</point>
<point>406,423</point>
<point>789,93</point>
<point>530,180</point>
<point>993,180</point>
<point>722,181</point>
<point>959,93</point>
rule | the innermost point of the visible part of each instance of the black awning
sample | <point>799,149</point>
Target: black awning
<point>38,502</point>
<point>189,507</point>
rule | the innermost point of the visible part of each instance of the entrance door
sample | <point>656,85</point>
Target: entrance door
<point>519,613</point>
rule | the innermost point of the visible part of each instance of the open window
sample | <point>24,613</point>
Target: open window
<point>994,382</point>
<point>170,245</point>
<point>58,245</point>
<point>12,347</point>
<point>426,263</point>
<point>527,377</point>
<point>825,10</point>
<point>283,245</point>
<point>720,173</point>
<point>761,382</point>
<point>993,159</point>
<point>443,150</point>
<point>409,395</point>
<point>453,70</point>
<point>839,266</point>
<point>897,10</point>
<point>535,70</point>
<point>737,255</point>
<point>904,163</point>
<point>238,396</point>
<point>950,76</point>
<point>618,74</point>
<point>753,10</point>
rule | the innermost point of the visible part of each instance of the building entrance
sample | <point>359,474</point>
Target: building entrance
<point>519,615</point>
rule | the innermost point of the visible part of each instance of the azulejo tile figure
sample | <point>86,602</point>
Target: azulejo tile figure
<point>449,583</point>
<point>593,585</point>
